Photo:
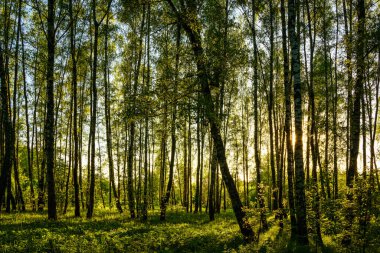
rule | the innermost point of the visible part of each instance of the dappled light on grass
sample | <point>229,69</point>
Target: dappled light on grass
<point>112,232</point>
<point>109,231</point>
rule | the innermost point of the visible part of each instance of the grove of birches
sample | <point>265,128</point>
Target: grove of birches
<point>189,126</point>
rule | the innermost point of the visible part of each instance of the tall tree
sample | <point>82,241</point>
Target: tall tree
<point>327,67</point>
<point>28,146</point>
<point>335,109</point>
<point>146,134</point>
<point>94,105</point>
<point>19,194</point>
<point>7,127</point>
<point>358,94</point>
<point>132,126</point>
<point>74,82</point>
<point>287,125</point>
<point>49,121</point>
<point>313,126</point>
<point>166,197</point>
<point>5,109</point>
<point>107,113</point>
<point>270,108</point>
<point>300,205</point>
<point>259,189</point>
<point>347,14</point>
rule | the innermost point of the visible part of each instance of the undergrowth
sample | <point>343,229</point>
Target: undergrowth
<point>109,231</point>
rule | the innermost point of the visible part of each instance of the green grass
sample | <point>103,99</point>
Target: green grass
<point>109,231</point>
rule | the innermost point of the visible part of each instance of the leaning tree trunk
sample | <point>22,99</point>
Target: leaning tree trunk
<point>192,28</point>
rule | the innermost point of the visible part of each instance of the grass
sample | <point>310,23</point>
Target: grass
<point>109,231</point>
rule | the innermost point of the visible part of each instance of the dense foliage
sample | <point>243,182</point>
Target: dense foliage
<point>226,116</point>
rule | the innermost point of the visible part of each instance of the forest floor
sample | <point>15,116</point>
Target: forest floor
<point>109,231</point>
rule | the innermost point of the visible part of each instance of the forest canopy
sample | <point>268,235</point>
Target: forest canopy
<point>252,124</point>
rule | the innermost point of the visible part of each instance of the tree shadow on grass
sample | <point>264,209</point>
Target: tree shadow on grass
<point>64,226</point>
<point>173,217</point>
<point>202,243</point>
<point>175,232</point>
